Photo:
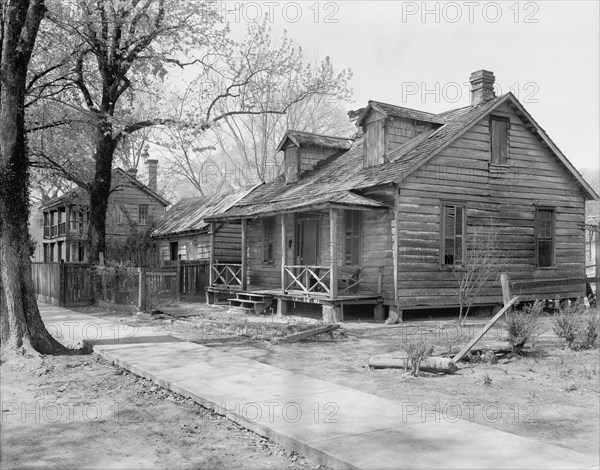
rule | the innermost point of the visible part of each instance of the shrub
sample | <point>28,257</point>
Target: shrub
<point>115,282</point>
<point>588,333</point>
<point>576,325</point>
<point>523,326</point>
<point>416,352</point>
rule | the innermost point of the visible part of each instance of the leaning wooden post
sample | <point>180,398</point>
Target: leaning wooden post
<point>244,254</point>
<point>505,281</point>
<point>333,217</point>
<point>283,253</point>
<point>143,290</point>
<point>212,253</point>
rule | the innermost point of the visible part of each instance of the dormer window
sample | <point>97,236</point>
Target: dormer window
<point>499,140</point>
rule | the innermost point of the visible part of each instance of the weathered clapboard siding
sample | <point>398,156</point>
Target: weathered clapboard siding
<point>127,200</point>
<point>228,244</point>
<point>311,156</point>
<point>399,131</point>
<point>261,274</point>
<point>461,173</point>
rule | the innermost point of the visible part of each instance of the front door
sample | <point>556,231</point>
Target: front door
<point>174,248</point>
<point>307,236</point>
<point>307,243</point>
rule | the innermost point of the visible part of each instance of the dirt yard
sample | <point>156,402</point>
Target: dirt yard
<point>81,412</point>
<point>551,394</point>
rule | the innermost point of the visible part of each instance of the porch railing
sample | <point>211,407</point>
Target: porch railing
<point>309,279</point>
<point>226,275</point>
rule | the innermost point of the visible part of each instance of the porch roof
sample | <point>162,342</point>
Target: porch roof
<point>340,199</point>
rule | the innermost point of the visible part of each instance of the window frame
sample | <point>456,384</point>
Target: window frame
<point>506,120</point>
<point>536,236</point>
<point>358,236</point>
<point>442,259</point>
<point>269,225</point>
<point>143,220</point>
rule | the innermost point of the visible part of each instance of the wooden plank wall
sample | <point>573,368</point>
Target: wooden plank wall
<point>311,156</point>
<point>506,200</point>
<point>228,241</point>
<point>259,273</point>
<point>400,131</point>
<point>129,198</point>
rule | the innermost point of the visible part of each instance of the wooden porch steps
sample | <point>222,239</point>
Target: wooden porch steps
<point>248,302</point>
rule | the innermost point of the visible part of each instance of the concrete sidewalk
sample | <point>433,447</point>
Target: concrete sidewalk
<point>333,425</point>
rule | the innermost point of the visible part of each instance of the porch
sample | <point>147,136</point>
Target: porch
<point>309,262</point>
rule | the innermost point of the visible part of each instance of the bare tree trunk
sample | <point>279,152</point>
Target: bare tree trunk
<point>21,325</point>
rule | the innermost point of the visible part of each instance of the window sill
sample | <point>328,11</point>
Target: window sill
<point>451,267</point>
<point>545,268</point>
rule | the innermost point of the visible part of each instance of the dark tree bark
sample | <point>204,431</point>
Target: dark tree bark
<point>100,190</point>
<point>20,322</point>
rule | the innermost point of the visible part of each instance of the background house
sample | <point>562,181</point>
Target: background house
<point>64,221</point>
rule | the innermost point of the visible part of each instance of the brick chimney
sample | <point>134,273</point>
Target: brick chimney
<point>152,173</point>
<point>482,87</point>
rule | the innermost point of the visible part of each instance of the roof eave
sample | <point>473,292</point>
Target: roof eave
<point>589,191</point>
<point>364,114</point>
<point>310,207</point>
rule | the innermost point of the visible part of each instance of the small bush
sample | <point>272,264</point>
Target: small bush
<point>416,352</point>
<point>115,282</point>
<point>576,325</point>
<point>523,326</point>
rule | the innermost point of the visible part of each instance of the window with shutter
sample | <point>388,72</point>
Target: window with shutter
<point>453,229</point>
<point>268,240</point>
<point>499,140</point>
<point>353,237</point>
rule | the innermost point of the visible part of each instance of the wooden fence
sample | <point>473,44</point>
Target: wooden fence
<point>71,284</point>
<point>63,284</point>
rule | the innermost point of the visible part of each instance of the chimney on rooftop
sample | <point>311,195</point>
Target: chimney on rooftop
<point>482,87</point>
<point>152,173</point>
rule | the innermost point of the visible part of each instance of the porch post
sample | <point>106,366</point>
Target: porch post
<point>333,217</point>
<point>244,253</point>
<point>283,253</point>
<point>212,253</point>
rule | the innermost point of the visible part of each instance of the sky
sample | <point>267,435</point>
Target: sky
<point>420,55</point>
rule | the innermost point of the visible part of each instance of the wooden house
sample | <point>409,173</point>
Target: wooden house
<point>387,219</point>
<point>65,218</point>
<point>183,234</point>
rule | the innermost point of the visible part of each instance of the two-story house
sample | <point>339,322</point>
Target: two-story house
<point>65,218</point>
